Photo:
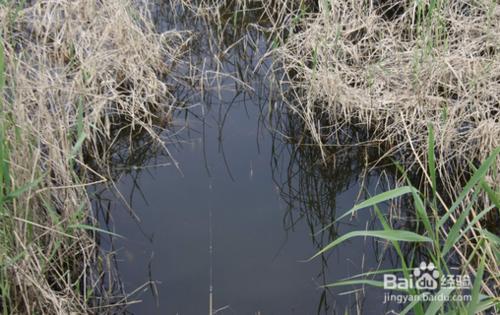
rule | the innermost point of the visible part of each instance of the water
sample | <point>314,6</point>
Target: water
<point>257,251</point>
<point>258,198</point>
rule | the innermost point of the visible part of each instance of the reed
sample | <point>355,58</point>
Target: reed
<point>449,238</point>
<point>75,76</point>
<point>394,68</point>
<point>421,78</point>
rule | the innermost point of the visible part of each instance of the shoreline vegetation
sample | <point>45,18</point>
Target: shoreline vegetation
<point>420,77</point>
<point>75,76</point>
<point>397,69</point>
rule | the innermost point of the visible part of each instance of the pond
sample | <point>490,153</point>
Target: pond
<point>236,209</point>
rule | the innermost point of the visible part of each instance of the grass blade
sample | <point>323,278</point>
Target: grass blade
<point>93,228</point>
<point>373,283</point>
<point>474,304</point>
<point>389,235</point>
<point>391,194</point>
<point>476,177</point>
<point>432,159</point>
<point>438,303</point>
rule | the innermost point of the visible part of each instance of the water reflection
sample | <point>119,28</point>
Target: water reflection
<point>246,163</point>
<point>311,186</point>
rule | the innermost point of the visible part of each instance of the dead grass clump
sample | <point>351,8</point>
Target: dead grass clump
<point>74,70</point>
<point>394,68</point>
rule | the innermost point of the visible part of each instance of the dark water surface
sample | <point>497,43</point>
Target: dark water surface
<point>259,198</point>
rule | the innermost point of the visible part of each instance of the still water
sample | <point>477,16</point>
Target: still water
<point>239,207</point>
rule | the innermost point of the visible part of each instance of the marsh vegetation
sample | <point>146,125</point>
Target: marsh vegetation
<point>397,99</point>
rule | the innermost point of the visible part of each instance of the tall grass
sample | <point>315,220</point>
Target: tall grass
<point>10,191</point>
<point>455,230</point>
<point>393,68</point>
<point>396,69</point>
<point>4,180</point>
<point>88,73</point>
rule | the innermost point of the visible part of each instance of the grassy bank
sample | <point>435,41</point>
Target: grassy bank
<point>396,68</point>
<point>413,225</point>
<point>74,75</point>
<point>457,243</point>
<point>421,78</point>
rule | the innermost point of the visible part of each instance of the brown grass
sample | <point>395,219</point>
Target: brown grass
<point>78,73</point>
<point>393,68</point>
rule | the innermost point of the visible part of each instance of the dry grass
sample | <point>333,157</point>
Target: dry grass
<point>81,73</point>
<point>78,74</point>
<point>394,67</point>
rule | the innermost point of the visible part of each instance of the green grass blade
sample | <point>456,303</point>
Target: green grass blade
<point>476,219</point>
<point>422,213</point>
<point>438,303</point>
<point>487,304</point>
<point>410,307</point>
<point>373,283</point>
<point>417,308</point>
<point>432,159</point>
<point>476,177</point>
<point>2,69</point>
<point>493,195</point>
<point>372,273</point>
<point>78,144</point>
<point>390,235</point>
<point>391,194</point>
<point>476,289</point>
<point>93,228</point>
<point>490,236</point>
<point>454,233</point>
<point>18,192</point>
